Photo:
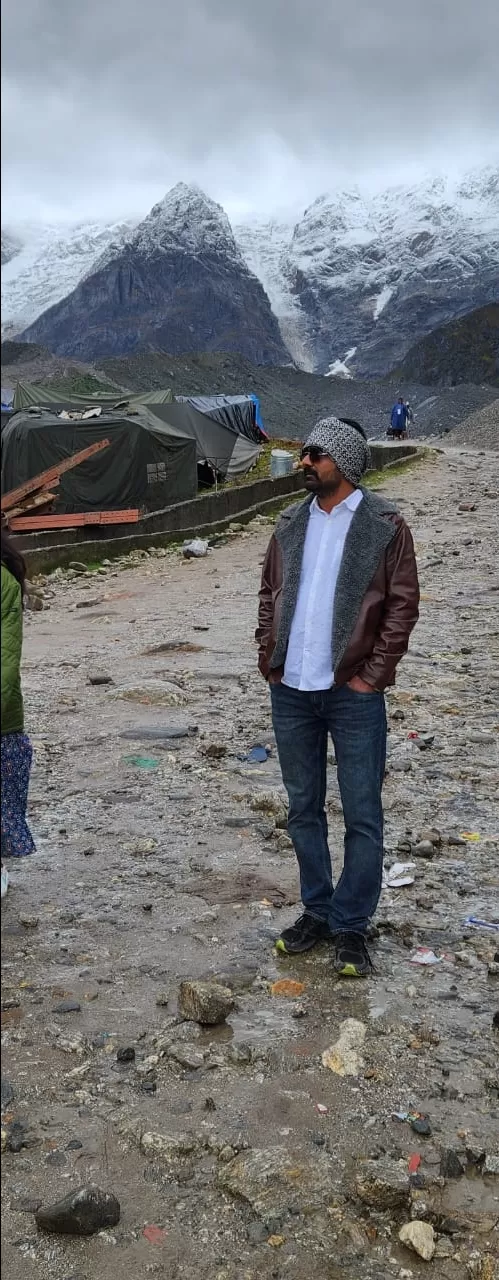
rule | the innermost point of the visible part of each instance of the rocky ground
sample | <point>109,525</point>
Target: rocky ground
<point>291,401</point>
<point>481,429</point>
<point>267,1146</point>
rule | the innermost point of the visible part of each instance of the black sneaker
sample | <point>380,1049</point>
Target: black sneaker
<point>303,935</point>
<point>352,959</point>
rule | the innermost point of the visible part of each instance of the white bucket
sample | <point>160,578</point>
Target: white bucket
<point>281,463</point>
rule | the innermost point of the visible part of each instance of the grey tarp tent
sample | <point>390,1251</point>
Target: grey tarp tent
<point>238,412</point>
<point>147,464</point>
<point>226,452</point>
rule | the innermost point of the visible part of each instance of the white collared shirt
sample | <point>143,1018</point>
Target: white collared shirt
<point>309,658</point>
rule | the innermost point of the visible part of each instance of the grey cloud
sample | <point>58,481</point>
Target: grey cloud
<point>108,102</point>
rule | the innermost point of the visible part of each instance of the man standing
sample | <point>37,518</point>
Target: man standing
<point>398,419</point>
<point>338,601</point>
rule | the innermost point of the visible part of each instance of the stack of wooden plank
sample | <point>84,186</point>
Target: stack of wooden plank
<point>39,494</point>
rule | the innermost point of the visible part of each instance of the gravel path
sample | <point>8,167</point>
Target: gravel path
<point>160,860</point>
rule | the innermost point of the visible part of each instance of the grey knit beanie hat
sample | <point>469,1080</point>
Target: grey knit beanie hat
<point>346,446</point>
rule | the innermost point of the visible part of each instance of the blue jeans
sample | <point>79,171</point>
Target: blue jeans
<point>357,724</point>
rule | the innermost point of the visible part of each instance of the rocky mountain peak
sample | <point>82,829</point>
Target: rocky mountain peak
<point>186,219</point>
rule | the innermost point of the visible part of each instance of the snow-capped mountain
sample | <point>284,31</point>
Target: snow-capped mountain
<point>10,246</point>
<point>353,283</point>
<point>177,283</point>
<point>44,263</point>
<point>362,277</point>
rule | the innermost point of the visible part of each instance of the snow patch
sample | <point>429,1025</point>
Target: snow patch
<point>339,368</point>
<point>50,263</point>
<point>381,301</point>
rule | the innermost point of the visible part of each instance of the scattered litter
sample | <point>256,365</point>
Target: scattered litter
<point>470,835</point>
<point>197,547</point>
<point>257,755</point>
<point>423,955</point>
<point>141,762</point>
<point>155,1235</point>
<point>418,1121</point>
<point>475,923</point>
<point>287,987</point>
<point>323,1111</point>
<point>413,1163</point>
<point>397,875</point>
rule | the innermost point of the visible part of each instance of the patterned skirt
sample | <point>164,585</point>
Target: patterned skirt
<point>17,753</point>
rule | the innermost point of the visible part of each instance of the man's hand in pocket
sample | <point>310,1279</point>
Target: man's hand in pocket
<point>360,686</point>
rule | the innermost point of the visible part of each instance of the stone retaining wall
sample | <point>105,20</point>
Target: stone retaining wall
<point>204,515</point>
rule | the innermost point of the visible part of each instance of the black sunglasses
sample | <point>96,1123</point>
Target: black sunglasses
<point>314,452</point>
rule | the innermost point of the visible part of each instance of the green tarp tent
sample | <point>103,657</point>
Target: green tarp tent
<point>146,464</point>
<point>27,394</point>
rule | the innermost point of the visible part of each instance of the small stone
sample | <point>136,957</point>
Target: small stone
<point>226,1154</point>
<point>100,677</point>
<point>162,999</point>
<point>126,1054</point>
<point>167,1146</point>
<point>343,1057</point>
<point>81,1213</point>
<point>276,1182</point>
<point>16,1137</point>
<point>420,1237</point>
<point>450,1164</point>
<point>29,922</point>
<point>205,1002</point>
<point>383,1184</point>
<point>239,1054</point>
<point>67,1006</point>
<point>186,1056</point>
<point>216,751</point>
<point>423,849</point>
<point>433,836</point>
<point>400,764</point>
<point>421,1126</point>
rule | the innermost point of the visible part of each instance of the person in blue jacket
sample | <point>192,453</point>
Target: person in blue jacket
<point>398,419</point>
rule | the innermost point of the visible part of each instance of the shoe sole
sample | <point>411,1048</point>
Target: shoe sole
<point>284,950</point>
<point>351,971</point>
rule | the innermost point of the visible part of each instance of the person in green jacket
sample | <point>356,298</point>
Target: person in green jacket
<point>16,751</point>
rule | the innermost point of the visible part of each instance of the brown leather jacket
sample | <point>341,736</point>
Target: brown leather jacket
<point>376,601</point>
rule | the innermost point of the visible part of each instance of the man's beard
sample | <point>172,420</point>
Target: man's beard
<point>321,488</point>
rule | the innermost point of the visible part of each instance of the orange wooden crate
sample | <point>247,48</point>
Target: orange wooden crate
<point>29,524</point>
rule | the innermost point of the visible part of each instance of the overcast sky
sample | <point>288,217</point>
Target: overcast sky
<point>265,103</point>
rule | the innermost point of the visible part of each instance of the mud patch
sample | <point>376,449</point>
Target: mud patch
<point>244,886</point>
<point>173,646</point>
